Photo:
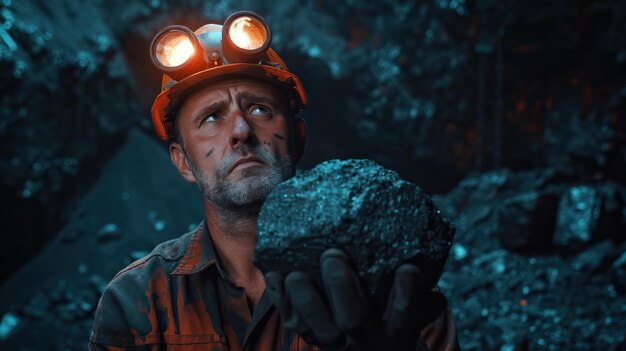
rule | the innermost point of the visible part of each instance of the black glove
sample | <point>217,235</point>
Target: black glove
<point>343,319</point>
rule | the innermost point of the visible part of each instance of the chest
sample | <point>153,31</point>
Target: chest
<point>254,290</point>
<point>213,314</point>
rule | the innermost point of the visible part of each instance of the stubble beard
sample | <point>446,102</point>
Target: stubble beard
<point>255,184</point>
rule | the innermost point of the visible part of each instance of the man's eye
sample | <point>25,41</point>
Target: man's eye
<point>259,111</point>
<point>210,118</point>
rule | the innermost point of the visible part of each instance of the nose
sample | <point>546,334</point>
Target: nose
<point>242,132</point>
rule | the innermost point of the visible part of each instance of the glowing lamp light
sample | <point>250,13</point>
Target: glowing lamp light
<point>174,48</point>
<point>179,52</point>
<point>247,33</point>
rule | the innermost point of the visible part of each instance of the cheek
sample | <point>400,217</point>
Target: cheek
<point>275,138</point>
<point>204,158</point>
<point>277,143</point>
<point>273,145</point>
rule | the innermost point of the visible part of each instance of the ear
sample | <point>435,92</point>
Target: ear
<point>177,155</point>
<point>300,142</point>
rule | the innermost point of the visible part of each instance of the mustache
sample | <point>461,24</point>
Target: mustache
<point>257,151</point>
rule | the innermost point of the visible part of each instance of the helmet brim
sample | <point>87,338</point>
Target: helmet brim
<point>165,104</point>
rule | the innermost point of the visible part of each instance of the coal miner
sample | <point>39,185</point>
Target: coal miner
<point>228,109</point>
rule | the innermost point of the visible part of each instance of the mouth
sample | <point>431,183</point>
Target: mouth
<point>244,162</point>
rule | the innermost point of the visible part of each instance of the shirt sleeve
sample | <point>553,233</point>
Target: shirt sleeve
<point>441,334</point>
<point>122,318</point>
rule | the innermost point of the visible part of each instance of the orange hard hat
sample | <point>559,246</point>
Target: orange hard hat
<point>239,48</point>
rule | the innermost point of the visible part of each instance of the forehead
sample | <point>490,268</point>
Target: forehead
<point>232,89</point>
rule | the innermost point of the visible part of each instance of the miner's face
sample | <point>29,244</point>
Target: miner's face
<point>238,141</point>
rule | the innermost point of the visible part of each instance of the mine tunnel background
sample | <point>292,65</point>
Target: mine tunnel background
<point>512,112</point>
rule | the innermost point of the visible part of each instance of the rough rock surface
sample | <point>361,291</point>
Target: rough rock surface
<point>579,210</point>
<point>368,211</point>
<point>527,220</point>
<point>49,303</point>
<point>546,297</point>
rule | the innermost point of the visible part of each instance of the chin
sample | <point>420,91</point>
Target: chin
<point>251,191</point>
<point>254,172</point>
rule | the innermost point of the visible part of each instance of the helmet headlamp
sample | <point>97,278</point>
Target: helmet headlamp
<point>247,33</point>
<point>179,52</point>
<point>245,37</point>
<point>175,51</point>
<point>239,47</point>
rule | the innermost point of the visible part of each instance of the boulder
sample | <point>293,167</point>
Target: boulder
<point>579,210</point>
<point>589,213</point>
<point>526,220</point>
<point>369,212</point>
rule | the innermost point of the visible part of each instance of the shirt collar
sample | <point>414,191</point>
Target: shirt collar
<point>200,253</point>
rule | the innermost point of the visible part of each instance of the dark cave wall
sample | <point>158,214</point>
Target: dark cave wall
<point>433,89</point>
<point>441,91</point>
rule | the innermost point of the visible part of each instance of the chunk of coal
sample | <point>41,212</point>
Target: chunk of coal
<point>579,210</point>
<point>527,221</point>
<point>379,220</point>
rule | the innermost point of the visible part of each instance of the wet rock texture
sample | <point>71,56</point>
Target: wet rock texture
<point>360,207</point>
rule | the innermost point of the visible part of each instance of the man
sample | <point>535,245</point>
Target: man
<point>228,108</point>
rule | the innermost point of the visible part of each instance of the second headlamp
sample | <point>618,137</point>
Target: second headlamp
<point>179,52</point>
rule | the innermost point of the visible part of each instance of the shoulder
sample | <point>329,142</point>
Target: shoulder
<point>140,276</point>
<point>166,255</point>
<point>127,306</point>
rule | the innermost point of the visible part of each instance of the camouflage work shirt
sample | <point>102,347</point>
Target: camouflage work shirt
<point>178,298</point>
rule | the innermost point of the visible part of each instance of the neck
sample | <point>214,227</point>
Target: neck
<point>234,236</point>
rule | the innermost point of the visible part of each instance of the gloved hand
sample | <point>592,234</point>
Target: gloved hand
<point>347,322</point>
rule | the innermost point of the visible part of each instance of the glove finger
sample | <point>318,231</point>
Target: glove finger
<point>276,293</point>
<point>313,311</point>
<point>348,303</point>
<point>402,317</point>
